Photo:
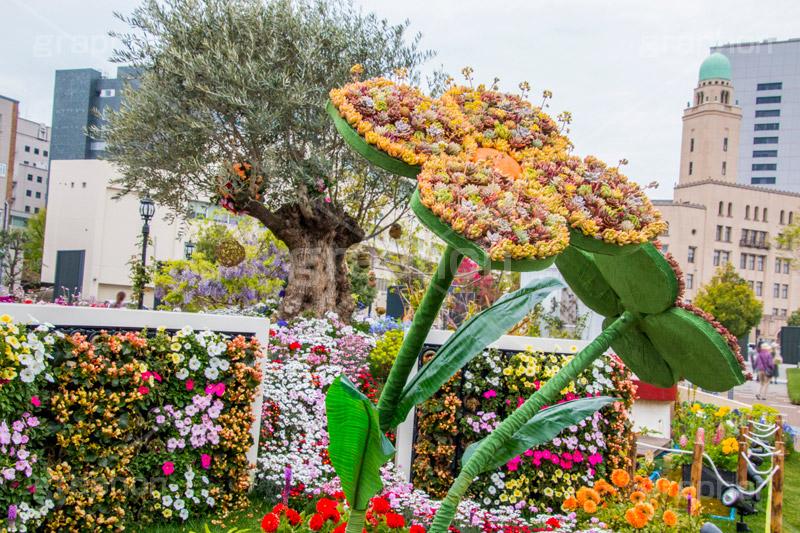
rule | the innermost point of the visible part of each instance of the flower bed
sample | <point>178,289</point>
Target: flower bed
<point>471,405</point>
<point>136,427</point>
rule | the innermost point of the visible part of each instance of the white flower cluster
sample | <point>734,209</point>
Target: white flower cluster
<point>178,497</point>
<point>601,372</point>
<point>215,346</point>
<point>31,351</point>
<point>28,518</point>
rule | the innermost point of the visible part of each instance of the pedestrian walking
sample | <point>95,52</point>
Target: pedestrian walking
<point>777,360</point>
<point>765,367</point>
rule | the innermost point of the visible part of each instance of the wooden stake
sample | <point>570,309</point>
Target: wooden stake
<point>776,512</point>
<point>741,470</point>
<point>779,423</point>
<point>632,456</point>
<point>697,460</point>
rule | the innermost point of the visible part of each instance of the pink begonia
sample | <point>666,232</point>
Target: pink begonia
<point>168,468</point>
<point>35,401</point>
<point>206,461</point>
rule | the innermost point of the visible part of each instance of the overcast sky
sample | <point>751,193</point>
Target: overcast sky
<point>625,69</point>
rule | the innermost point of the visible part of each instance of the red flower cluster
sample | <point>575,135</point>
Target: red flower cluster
<point>326,510</point>
<point>272,521</point>
<point>295,345</point>
<point>366,384</point>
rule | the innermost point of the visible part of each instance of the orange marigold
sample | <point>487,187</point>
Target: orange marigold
<point>663,485</point>
<point>569,504</point>
<point>590,507</point>
<point>637,496</point>
<point>635,518</point>
<point>689,490</point>
<point>585,494</point>
<point>670,518</point>
<point>646,484</point>
<point>674,489</point>
<point>654,503</point>
<point>620,478</point>
<point>646,509</point>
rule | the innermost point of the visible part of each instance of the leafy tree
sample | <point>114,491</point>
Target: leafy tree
<point>34,248</point>
<point>363,293</point>
<point>12,255</point>
<point>794,318</point>
<point>730,299</point>
<point>245,82</point>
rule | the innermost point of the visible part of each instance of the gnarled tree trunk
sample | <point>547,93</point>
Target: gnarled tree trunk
<point>318,238</point>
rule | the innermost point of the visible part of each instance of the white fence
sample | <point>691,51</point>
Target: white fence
<point>124,319</point>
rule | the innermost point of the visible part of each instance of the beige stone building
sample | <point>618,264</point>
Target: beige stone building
<point>713,220</point>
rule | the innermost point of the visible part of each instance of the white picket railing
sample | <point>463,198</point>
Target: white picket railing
<point>134,320</point>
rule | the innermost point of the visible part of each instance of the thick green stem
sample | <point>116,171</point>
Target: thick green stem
<point>417,333</point>
<point>355,524</point>
<point>526,411</point>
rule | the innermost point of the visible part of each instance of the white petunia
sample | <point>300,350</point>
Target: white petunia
<point>211,373</point>
<point>194,363</point>
<point>182,373</point>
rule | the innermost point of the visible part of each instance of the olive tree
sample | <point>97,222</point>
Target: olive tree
<point>243,84</point>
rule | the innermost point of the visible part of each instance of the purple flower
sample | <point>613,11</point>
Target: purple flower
<point>12,514</point>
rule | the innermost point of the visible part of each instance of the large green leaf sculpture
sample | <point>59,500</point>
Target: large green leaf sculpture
<point>358,448</point>
<point>544,426</point>
<point>471,339</point>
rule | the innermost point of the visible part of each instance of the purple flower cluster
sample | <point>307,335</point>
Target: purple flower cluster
<point>196,422</point>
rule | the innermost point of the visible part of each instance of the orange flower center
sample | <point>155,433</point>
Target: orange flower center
<point>500,161</point>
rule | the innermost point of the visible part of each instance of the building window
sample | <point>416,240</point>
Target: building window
<point>759,288</point>
<point>27,148</point>
<point>751,262</point>
<point>768,113</point>
<point>689,281</point>
<point>666,231</point>
<point>726,258</point>
<point>762,181</point>
<point>691,145</point>
<point>721,206</point>
<point>781,217</point>
<point>730,209</point>
<point>776,86</point>
<point>783,312</point>
<point>784,291</point>
<point>30,177</point>
<point>27,193</point>
<point>760,263</point>
<point>107,93</point>
<point>786,265</point>
<point>746,216</point>
<point>692,250</point>
<point>765,166</point>
<point>38,195</point>
<point>776,290</point>
<point>36,151</point>
<point>728,234</point>
<point>690,168</point>
<point>764,215</point>
<point>778,263</point>
<point>755,213</point>
<point>724,167</point>
<point>35,209</point>
<point>768,100</point>
<point>743,261</point>
<point>765,140</point>
<point>771,126</point>
<point>765,153</point>
<point>790,216</point>
<point>38,179</point>
<point>719,233</point>
<point>3,168</point>
<point>45,153</point>
<point>725,144</point>
<point>775,311</point>
<point>716,257</point>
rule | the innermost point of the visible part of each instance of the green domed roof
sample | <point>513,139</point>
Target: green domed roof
<point>715,66</point>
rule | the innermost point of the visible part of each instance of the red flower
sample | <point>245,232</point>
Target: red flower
<point>553,522</point>
<point>338,495</point>
<point>416,529</point>
<point>279,509</point>
<point>340,528</point>
<point>270,523</point>
<point>326,506</point>
<point>395,521</point>
<point>272,333</point>
<point>295,346</point>
<point>143,390</point>
<point>316,522</point>
<point>293,517</point>
<point>380,505</point>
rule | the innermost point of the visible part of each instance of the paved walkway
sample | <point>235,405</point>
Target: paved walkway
<point>777,397</point>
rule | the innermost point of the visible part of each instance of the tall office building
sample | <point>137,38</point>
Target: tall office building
<point>24,151</point>
<point>767,80</point>
<point>79,98</point>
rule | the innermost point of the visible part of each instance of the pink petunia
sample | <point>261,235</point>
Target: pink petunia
<point>168,468</point>
<point>32,489</point>
<point>206,461</point>
<point>189,384</point>
<point>489,394</point>
<point>143,390</point>
<point>513,464</point>
<point>155,375</point>
<point>35,401</point>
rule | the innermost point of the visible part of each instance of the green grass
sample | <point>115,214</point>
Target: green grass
<point>793,385</point>
<point>250,518</point>
<point>791,495</point>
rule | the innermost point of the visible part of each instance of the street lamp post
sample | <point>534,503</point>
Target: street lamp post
<point>188,250</point>
<point>147,208</point>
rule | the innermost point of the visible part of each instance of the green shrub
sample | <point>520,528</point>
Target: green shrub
<point>793,376</point>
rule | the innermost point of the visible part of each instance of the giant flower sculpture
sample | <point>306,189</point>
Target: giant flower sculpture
<point>496,181</point>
